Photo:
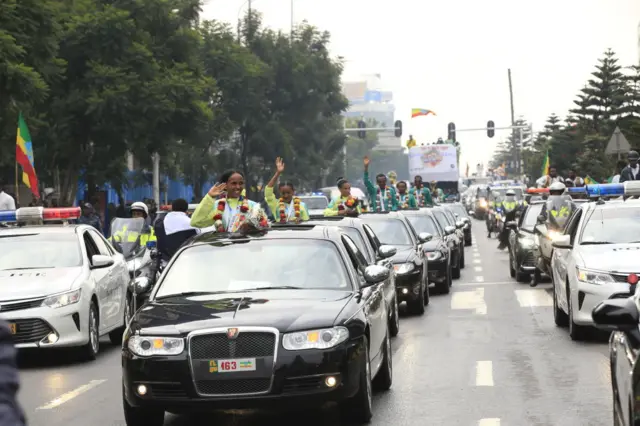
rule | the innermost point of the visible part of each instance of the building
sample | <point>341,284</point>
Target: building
<point>638,43</point>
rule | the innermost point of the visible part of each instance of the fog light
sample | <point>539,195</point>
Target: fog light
<point>330,381</point>
<point>405,291</point>
<point>52,338</point>
<point>142,390</point>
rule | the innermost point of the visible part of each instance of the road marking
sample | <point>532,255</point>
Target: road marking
<point>484,373</point>
<point>466,300</point>
<point>478,268</point>
<point>476,254</point>
<point>473,284</point>
<point>489,422</point>
<point>479,279</point>
<point>533,297</point>
<point>71,394</point>
<point>476,261</point>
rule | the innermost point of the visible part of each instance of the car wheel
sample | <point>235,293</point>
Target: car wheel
<point>384,378</point>
<point>138,416</point>
<point>576,332</point>
<point>115,336</point>
<point>426,292</point>
<point>443,287</point>
<point>394,321</point>
<point>359,408</point>
<point>462,257</point>
<point>522,277</point>
<point>512,267</point>
<point>468,242</point>
<point>416,307</point>
<point>455,272</point>
<point>91,349</point>
<point>559,316</point>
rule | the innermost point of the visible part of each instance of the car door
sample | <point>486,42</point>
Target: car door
<point>560,262</point>
<point>100,278</point>
<point>624,347</point>
<point>375,306</point>
<point>116,285</point>
<point>390,284</point>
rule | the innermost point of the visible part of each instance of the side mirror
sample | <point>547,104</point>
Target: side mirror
<point>511,224</point>
<point>448,230</point>
<point>562,242</point>
<point>425,237</point>
<point>99,261</point>
<point>466,220</point>
<point>471,212</point>
<point>459,224</point>
<point>155,254</point>
<point>141,285</point>
<point>541,219</point>
<point>375,274</point>
<point>457,215</point>
<point>386,251</point>
<point>616,315</point>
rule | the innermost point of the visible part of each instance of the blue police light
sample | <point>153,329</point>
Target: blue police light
<point>605,190</point>
<point>576,190</point>
<point>151,245</point>
<point>8,216</point>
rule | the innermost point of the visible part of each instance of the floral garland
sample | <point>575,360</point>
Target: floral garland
<point>403,202</point>
<point>350,204</point>
<point>283,210</point>
<point>222,205</point>
<point>382,199</point>
<point>419,198</point>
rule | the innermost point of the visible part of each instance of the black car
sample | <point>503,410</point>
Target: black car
<point>287,316</point>
<point>455,243</point>
<point>621,316</point>
<point>522,243</point>
<point>410,262</point>
<point>436,249</point>
<point>462,214</point>
<point>375,252</point>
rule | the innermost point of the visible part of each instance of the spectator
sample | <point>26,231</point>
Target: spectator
<point>6,201</point>
<point>10,412</point>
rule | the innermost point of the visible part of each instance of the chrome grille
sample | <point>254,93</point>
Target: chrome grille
<point>30,330</point>
<point>248,344</point>
<point>621,278</point>
<point>529,259</point>
<point>17,305</point>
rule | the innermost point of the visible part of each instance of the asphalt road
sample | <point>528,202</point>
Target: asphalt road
<point>487,354</point>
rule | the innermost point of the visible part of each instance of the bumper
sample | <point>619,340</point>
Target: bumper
<point>34,325</point>
<point>526,259</point>
<point>438,270</point>
<point>408,286</point>
<point>298,377</point>
<point>589,295</point>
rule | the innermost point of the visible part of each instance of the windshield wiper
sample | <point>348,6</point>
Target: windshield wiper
<point>595,243</point>
<point>190,293</point>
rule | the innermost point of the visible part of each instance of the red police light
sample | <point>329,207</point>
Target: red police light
<point>64,213</point>
<point>632,279</point>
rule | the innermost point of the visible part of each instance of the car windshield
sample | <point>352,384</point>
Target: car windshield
<point>612,226</point>
<point>424,224</point>
<point>459,210</point>
<point>442,219</point>
<point>355,235</point>
<point>391,231</point>
<point>315,203</point>
<point>32,251</point>
<point>224,267</point>
<point>530,220</point>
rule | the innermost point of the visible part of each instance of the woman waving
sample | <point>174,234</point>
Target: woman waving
<point>288,208</point>
<point>224,207</point>
<point>345,204</point>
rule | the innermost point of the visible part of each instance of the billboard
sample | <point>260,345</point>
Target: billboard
<point>434,162</point>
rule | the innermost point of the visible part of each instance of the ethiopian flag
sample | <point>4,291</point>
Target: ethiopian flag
<point>588,180</point>
<point>417,112</point>
<point>24,157</point>
<point>545,165</point>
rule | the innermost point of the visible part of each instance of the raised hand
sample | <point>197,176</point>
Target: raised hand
<point>217,189</point>
<point>279,165</point>
<point>366,161</point>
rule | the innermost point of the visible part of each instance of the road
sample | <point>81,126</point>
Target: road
<point>487,354</point>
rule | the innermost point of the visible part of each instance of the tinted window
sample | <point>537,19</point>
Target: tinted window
<point>460,211</point>
<point>530,220</point>
<point>612,226</point>
<point>441,218</point>
<point>355,235</point>
<point>424,224</point>
<point>391,231</point>
<point>100,244</point>
<point>223,267</point>
<point>315,203</point>
<point>27,251</point>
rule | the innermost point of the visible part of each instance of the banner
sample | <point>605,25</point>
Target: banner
<point>434,162</point>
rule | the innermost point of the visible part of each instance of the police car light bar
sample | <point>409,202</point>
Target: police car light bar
<point>576,190</point>
<point>605,190</point>
<point>538,191</point>
<point>26,214</point>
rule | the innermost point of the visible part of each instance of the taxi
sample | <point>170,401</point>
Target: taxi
<point>595,256</point>
<point>62,285</point>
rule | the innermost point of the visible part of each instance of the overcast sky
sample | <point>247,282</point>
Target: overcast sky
<point>452,56</point>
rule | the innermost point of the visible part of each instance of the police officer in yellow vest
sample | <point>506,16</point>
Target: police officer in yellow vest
<point>510,207</point>
<point>559,206</point>
<point>138,210</point>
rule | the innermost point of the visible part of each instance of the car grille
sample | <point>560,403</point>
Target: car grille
<point>302,384</point>
<point>30,330</point>
<point>167,390</point>
<point>248,344</point>
<point>233,387</point>
<point>17,305</point>
<point>621,278</point>
<point>529,259</point>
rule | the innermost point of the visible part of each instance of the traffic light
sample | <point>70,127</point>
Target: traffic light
<point>362,134</point>
<point>452,132</point>
<point>491,128</point>
<point>398,128</point>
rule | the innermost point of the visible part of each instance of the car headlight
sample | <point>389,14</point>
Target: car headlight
<point>403,268</point>
<point>526,243</point>
<point>434,255</point>
<point>64,299</point>
<point>315,339</point>
<point>149,346</point>
<point>553,235</point>
<point>594,277</point>
<point>483,203</point>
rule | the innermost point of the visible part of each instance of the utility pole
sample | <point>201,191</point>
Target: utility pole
<point>513,123</point>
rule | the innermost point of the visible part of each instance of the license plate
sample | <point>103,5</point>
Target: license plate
<point>232,365</point>
<point>13,327</point>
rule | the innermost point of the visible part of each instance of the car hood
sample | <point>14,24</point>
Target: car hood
<point>403,254</point>
<point>611,257</point>
<point>432,245</point>
<point>286,310</point>
<point>33,283</point>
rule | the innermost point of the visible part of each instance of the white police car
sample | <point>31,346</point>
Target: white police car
<point>596,256</point>
<point>61,285</point>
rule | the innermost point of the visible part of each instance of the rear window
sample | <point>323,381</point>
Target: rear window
<point>390,231</point>
<point>315,203</point>
<point>32,251</point>
<point>424,224</point>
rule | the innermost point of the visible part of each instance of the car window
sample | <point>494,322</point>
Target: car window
<point>315,203</point>
<point>530,218</point>
<point>100,244</point>
<point>355,235</point>
<point>612,226</point>
<point>223,267</point>
<point>373,238</point>
<point>359,262</point>
<point>33,250</point>
<point>424,224</point>
<point>441,218</point>
<point>460,210</point>
<point>391,231</point>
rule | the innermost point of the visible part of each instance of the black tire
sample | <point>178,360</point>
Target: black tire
<point>537,275</point>
<point>138,416</point>
<point>468,242</point>
<point>359,408</point>
<point>416,307</point>
<point>462,257</point>
<point>576,332</point>
<point>394,321</point>
<point>115,336</point>
<point>426,292</point>
<point>523,277</point>
<point>559,316</point>
<point>512,269</point>
<point>384,378</point>
<point>92,348</point>
<point>455,272</point>
<point>445,286</point>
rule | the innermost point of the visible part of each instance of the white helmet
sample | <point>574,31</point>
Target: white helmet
<point>510,192</point>
<point>140,206</point>
<point>557,187</point>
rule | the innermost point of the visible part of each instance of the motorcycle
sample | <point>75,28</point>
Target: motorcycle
<point>547,230</point>
<point>495,220</point>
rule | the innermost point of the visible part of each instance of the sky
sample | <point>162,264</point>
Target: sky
<point>452,56</point>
